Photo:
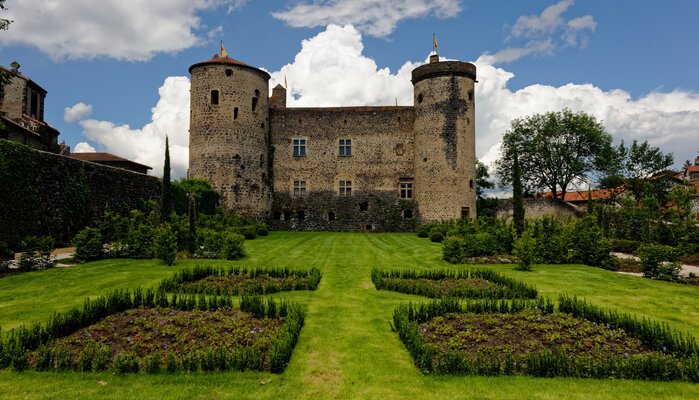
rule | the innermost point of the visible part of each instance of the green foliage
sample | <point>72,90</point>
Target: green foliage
<point>88,245</point>
<point>486,207</point>
<point>77,200</point>
<point>233,246</point>
<point>165,245</point>
<point>262,232</point>
<point>660,262</point>
<point>625,246</point>
<point>554,149</point>
<point>420,283</point>
<point>37,254</point>
<point>437,237</point>
<point>517,201</point>
<point>525,251</point>
<point>18,194</point>
<point>206,197</point>
<point>551,242</point>
<point>125,363</point>
<point>249,234</point>
<point>166,195</point>
<point>587,241</point>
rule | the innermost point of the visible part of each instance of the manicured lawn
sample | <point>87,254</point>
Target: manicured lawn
<point>346,349</point>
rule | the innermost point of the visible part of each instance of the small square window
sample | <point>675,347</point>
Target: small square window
<point>406,190</point>
<point>346,147</point>
<point>299,188</point>
<point>299,147</point>
<point>345,188</point>
<point>214,97</point>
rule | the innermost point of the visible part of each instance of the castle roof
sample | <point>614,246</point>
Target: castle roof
<point>279,86</point>
<point>227,61</point>
<point>20,76</point>
<point>105,157</point>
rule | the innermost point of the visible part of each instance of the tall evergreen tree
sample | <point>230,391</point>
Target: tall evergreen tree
<point>166,195</point>
<point>517,202</point>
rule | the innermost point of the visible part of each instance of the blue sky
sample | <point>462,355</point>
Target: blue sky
<point>630,63</point>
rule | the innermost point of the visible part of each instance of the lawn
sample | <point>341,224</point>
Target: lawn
<point>346,349</point>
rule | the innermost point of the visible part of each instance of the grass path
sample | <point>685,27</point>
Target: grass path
<point>346,348</point>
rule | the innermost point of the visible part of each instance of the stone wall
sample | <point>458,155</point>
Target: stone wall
<point>538,208</point>
<point>109,186</point>
<point>364,211</point>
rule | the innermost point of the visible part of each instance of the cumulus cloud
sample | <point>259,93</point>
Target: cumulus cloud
<point>77,112</point>
<point>146,145</point>
<point>83,147</point>
<point>539,32</point>
<point>330,70</point>
<point>376,18</point>
<point>133,30</point>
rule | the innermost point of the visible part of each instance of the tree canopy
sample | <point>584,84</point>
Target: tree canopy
<point>554,149</point>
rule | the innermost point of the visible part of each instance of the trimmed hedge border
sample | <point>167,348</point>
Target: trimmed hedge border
<point>507,288</point>
<point>196,273</point>
<point>679,359</point>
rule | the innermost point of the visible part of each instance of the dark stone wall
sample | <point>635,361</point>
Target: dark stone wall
<point>109,186</point>
<point>364,211</point>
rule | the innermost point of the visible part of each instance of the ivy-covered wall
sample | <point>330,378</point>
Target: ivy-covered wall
<point>50,194</point>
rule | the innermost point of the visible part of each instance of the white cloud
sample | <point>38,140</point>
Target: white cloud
<point>376,18</point>
<point>539,31</point>
<point>83,147</point>
<point>77,112</point>
<point>237,5</point>
<point>146,145</point>
<point>132,30</point>
<point>330,70</point>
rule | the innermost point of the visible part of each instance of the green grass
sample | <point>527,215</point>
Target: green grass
<point>346,349</point>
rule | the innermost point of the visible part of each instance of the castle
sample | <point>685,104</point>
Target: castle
<point>336,168</point>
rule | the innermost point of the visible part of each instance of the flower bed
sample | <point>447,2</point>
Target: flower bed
<point>517,337</point>
<point>238,281</point>
<point>151,332</point>
<point>468,283</point>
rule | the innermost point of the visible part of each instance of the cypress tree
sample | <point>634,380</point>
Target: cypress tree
<point>590,204</point>
<point>166,195</point>
<point>517,202</point>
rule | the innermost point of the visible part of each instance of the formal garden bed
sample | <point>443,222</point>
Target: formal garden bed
<point>467,283</point>
<point>240,280</point>
<point>521,337</point>
<point>153,332</point>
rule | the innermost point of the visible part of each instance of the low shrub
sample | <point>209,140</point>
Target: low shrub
<point>165,244</point>
<point>37,254</point>
<point>233,247</point>
<point>262,232</point>
<point>479,245</point>
<point>625,246</point>
<point>422,233</point>
<point>660,262</point>
<point>453,249</point>
<point>249,234</point>
<point>437,237</point>
<point>525,251</point>
<point>88,245</point>
<point>587,241</point>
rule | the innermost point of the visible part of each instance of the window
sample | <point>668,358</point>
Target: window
<point>299,188</point>
<point>299,147</point>
<point>301,215</point>
<point>345,188</point>
<point>214,97</point>
<point>406,190</point>
<point>34,109</point>
<point>331,216</point>
<point>364,206</point>
<point>235,113</point>
<point>229,72</point>
<point>287,215</point>
<point>254,103</point>
<point>465,212</point>
<point>345,147</point>
<point>277,215</point>
<point>407,213</point>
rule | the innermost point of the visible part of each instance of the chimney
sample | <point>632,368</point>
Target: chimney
<point>434,58</point>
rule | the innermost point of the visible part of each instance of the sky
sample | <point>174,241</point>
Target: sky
<point>116,71</point>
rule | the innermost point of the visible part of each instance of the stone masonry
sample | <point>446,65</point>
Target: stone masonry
<point>340,168</point>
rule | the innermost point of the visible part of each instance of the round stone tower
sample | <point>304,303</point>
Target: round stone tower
<point>228,133</point>
<point>445,140</point>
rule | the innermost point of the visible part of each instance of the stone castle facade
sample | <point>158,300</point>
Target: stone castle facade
<point>336,168</point>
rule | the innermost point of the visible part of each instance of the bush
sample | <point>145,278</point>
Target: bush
<point>422,233</point>
<point>588,244</point>
<point>437,237</point>
<point>233,247</point>
<point>37,254</point>
<point>262,232</point>
<point>525,251</point>
<point>88,245</point>
<point>453,249</point>
<point>249,234</point>
<point>166,245</point>
<point>625,246</point>
<point>660,262</point>
<point>479,245</point>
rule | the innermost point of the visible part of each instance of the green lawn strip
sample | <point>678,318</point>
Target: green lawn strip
<point>346,348</point>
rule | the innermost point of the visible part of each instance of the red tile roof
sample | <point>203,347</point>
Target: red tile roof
<point>18,74</point>
<point>582,195</point>
<point>104,157</point>
<point>227,61</point>
<point>693,168</point>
